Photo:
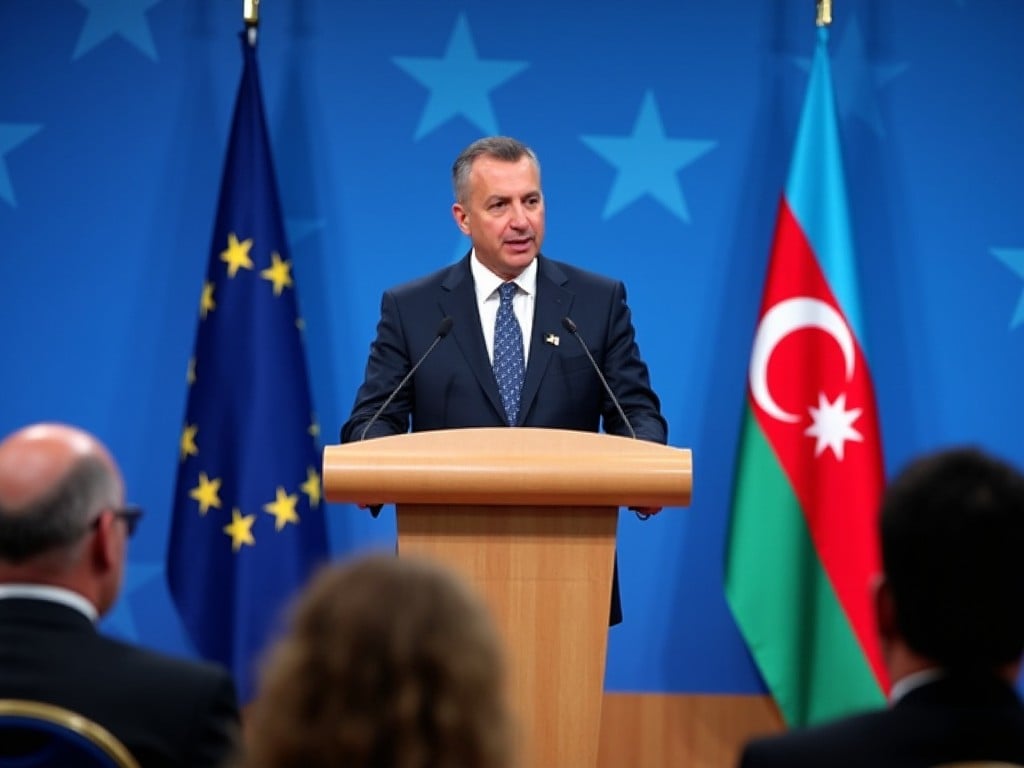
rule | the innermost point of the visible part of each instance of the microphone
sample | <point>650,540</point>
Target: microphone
<point>442,330</point>
<point>570,326</point>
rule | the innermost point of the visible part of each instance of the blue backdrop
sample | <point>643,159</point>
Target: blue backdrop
<point>664,130</point>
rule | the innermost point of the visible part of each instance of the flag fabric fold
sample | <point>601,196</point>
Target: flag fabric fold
<point>247,525</point>
<point>802,547</point>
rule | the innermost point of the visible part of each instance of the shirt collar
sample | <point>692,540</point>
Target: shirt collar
<point>51,594</point>
<point>486,282</point>
<point>912,682</point>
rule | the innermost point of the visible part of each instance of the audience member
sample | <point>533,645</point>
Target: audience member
<point>951,622</point>
<point>388,663</point>
<point>63,538</point>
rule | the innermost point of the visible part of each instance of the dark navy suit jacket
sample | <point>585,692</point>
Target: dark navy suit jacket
<point>949,720</point>
<point>169,713</point>
<point>455,386</point>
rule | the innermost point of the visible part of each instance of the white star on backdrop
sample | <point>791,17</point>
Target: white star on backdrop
<point>1014,259</point>
<point>647,162</point>
<point>460,82</point>
<point>107,18</point>
<point>858,80</point>
<point>833,425</point>
<point>12,135</point>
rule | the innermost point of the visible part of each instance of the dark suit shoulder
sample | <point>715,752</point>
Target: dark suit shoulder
<point>155,663</point>
<point>567,274</point>
<point>168,711</point>
<point>192,704</point>
<point>909,735</point>
<point>448,276</point>
<point>840,743</point>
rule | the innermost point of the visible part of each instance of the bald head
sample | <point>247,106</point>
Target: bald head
<point>53,478</point>
<point>36,459</point>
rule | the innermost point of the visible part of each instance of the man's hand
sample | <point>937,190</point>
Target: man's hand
<point>645,512</point>
<point>374,508</point>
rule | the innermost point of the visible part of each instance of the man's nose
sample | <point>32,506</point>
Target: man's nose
<point>519,220</point>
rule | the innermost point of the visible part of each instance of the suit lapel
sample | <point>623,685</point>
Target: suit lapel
<point>458,301</point>
<point>552,303</point>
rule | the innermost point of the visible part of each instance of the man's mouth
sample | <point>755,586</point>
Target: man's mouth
<point>519,243</point>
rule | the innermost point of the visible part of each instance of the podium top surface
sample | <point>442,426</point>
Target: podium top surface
<point>508,466</point>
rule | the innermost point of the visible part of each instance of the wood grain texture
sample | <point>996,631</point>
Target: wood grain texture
<point>546,575</point>
<point>674,730</point>
<point>498,465</point>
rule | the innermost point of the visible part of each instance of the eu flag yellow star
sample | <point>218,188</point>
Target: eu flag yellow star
<point>236,255</point>
<point>207,493</point>
<point>279,273</point>
<point>206,302</point>
<point>283,509</point>
<point>240,530</point>
<point>312,487</point>
<point>188,441</point>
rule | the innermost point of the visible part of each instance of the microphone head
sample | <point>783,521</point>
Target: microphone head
<point>445,326</point>
<point>568,324</point>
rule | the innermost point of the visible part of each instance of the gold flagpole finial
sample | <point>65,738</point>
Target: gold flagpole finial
<point>251,17</point>
<point>251,12</point>
<point>824,12</point>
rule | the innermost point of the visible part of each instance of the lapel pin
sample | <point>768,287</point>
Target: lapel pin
<point>552,339</point>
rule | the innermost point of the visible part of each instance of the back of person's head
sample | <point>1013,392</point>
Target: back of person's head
<point>388,663</point>
<point>952,537</point>
<point>56,481</point>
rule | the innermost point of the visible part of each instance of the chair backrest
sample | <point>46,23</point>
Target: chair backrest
<point>38,735</point>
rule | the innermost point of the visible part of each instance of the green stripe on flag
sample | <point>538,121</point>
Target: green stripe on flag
<point>782,600</point>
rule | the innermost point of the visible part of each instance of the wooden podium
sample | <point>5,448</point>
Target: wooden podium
<point>529,517</point>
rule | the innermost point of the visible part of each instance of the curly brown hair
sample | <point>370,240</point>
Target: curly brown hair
<point>388,663</point>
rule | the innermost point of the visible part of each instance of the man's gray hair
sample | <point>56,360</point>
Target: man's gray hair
<point>62,516</point>
<point>499,147</point>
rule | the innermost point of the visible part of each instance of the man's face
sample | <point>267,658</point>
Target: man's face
<point>503,214</point>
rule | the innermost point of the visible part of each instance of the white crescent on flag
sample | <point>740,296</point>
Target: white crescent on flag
<point>778,322</point>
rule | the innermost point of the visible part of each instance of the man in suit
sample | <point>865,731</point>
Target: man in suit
<point>950,609</point>
<point>64,530</point>
<point>500,206</point>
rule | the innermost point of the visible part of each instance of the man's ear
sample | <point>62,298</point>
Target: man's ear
<point>104,549</point>
<point>461,216</point>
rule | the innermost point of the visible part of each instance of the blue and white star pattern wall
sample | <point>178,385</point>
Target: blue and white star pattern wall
<point>664,131</point>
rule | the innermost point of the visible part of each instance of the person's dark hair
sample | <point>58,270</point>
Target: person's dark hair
<point>59,518</point>
<point>388,662</point>
<point>499,147</point>
<point>952,537</point>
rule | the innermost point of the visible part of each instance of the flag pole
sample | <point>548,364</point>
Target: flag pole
<point>824,12</point>
<point>251,17</point>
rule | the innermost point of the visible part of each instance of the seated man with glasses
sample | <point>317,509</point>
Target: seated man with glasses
<point>64,530</point>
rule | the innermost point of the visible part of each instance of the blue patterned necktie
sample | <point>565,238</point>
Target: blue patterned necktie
<point>509,365</point>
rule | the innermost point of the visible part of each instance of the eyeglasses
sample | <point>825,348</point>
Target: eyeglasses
<point>131,514</point>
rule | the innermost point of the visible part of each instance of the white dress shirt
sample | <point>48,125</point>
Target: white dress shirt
<point>486,284</point>
<point>53,595</point>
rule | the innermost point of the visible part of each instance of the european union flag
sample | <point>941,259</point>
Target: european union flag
<point>248,526</point>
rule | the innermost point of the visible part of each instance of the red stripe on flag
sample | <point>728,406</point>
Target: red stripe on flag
<point>810,389</point>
